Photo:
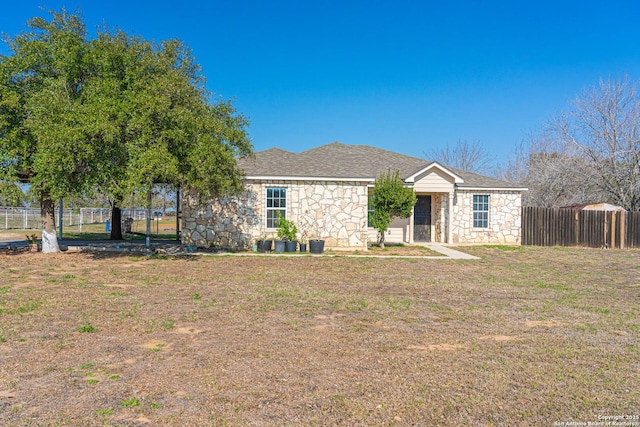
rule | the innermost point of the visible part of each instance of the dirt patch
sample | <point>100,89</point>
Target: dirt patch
<point>12,237</point>
<point>544,323</point>
<point>435,347</point>
<point>498,338</point>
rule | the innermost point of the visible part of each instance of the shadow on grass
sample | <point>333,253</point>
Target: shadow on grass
<point>107,237</point>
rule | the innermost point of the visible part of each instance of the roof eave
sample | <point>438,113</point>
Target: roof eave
<point>492,188</point>
<point>305,178</point>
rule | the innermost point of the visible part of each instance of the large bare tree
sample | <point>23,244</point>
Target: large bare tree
<point>554,173</point>
<point>604,127</point>
<point>591,153</point>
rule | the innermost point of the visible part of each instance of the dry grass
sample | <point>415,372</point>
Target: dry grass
<point>524,336</point>
<point>393,249</point>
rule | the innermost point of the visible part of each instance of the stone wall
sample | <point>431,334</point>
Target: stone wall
<point>333,211</point>
<point>226,223</point>
<point>438,216</point>
<point>505,210</point>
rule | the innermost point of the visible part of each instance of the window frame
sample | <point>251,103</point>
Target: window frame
<point>280,199</point>
<point>480,211</point>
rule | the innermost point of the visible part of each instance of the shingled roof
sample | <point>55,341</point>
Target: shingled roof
<point>341,161</point>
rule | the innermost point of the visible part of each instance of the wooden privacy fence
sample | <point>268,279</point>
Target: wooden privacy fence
<point>595,229</point>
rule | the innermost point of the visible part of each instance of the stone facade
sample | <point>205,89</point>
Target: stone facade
<point>439,205</point>
<point>333,211</point>
<point>505,218</point>
<point>337,212</point>
<point>227,223</point>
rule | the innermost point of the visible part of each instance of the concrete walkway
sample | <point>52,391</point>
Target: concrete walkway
<point>451,253</point>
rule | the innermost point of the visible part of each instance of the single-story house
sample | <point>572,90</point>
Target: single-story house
<point>327,192</point>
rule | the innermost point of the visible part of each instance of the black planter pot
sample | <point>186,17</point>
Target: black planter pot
<point>316,246</point>
<point>264,245</point>
<point>303,247</point>
<point>280,246</point>
<point>291,246</point>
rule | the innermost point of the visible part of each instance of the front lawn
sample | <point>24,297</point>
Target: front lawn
<point>524,336</point>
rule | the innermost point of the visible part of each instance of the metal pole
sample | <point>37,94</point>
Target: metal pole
<point>178,213</point>
<point>60,219</point>
<point>148,240</point>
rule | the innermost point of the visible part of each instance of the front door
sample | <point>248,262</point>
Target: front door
<point>422,219</point>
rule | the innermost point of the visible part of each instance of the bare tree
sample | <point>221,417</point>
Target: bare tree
<point>603,127</point>
<point>589,154</point>
<point>465,155</point>
<point>553,172</point>
<point>516,167</point>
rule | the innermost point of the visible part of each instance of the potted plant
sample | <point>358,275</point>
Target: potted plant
<point>287,231</point>
<point>32,240</point>
<point>264,245</point>
<point>279,245</point>
<point>304,237</point>
<point>303,226</point>
<point>316,246</point>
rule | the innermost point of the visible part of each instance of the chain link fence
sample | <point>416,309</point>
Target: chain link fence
<point>29,218</point>
<point>82,220</point>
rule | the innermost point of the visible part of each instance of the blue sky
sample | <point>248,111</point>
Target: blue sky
<point>408,76</point>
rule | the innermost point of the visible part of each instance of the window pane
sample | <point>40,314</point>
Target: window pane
<point>272,218</point>
<point>481,211</point>
<point>276,201</point>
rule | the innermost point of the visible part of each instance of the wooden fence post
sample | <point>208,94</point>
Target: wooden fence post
<point>613,230</point>
<point>623,217</point>
<point>606,224</point>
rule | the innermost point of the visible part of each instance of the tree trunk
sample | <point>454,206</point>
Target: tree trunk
<point>116,220</point>
<point>381,240</point>
<point>47,212</point>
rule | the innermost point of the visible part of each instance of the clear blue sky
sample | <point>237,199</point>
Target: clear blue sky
<point>406,76</point>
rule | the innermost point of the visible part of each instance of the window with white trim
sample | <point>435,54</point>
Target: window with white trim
<point>276,203</point>
<point>480,211</point>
